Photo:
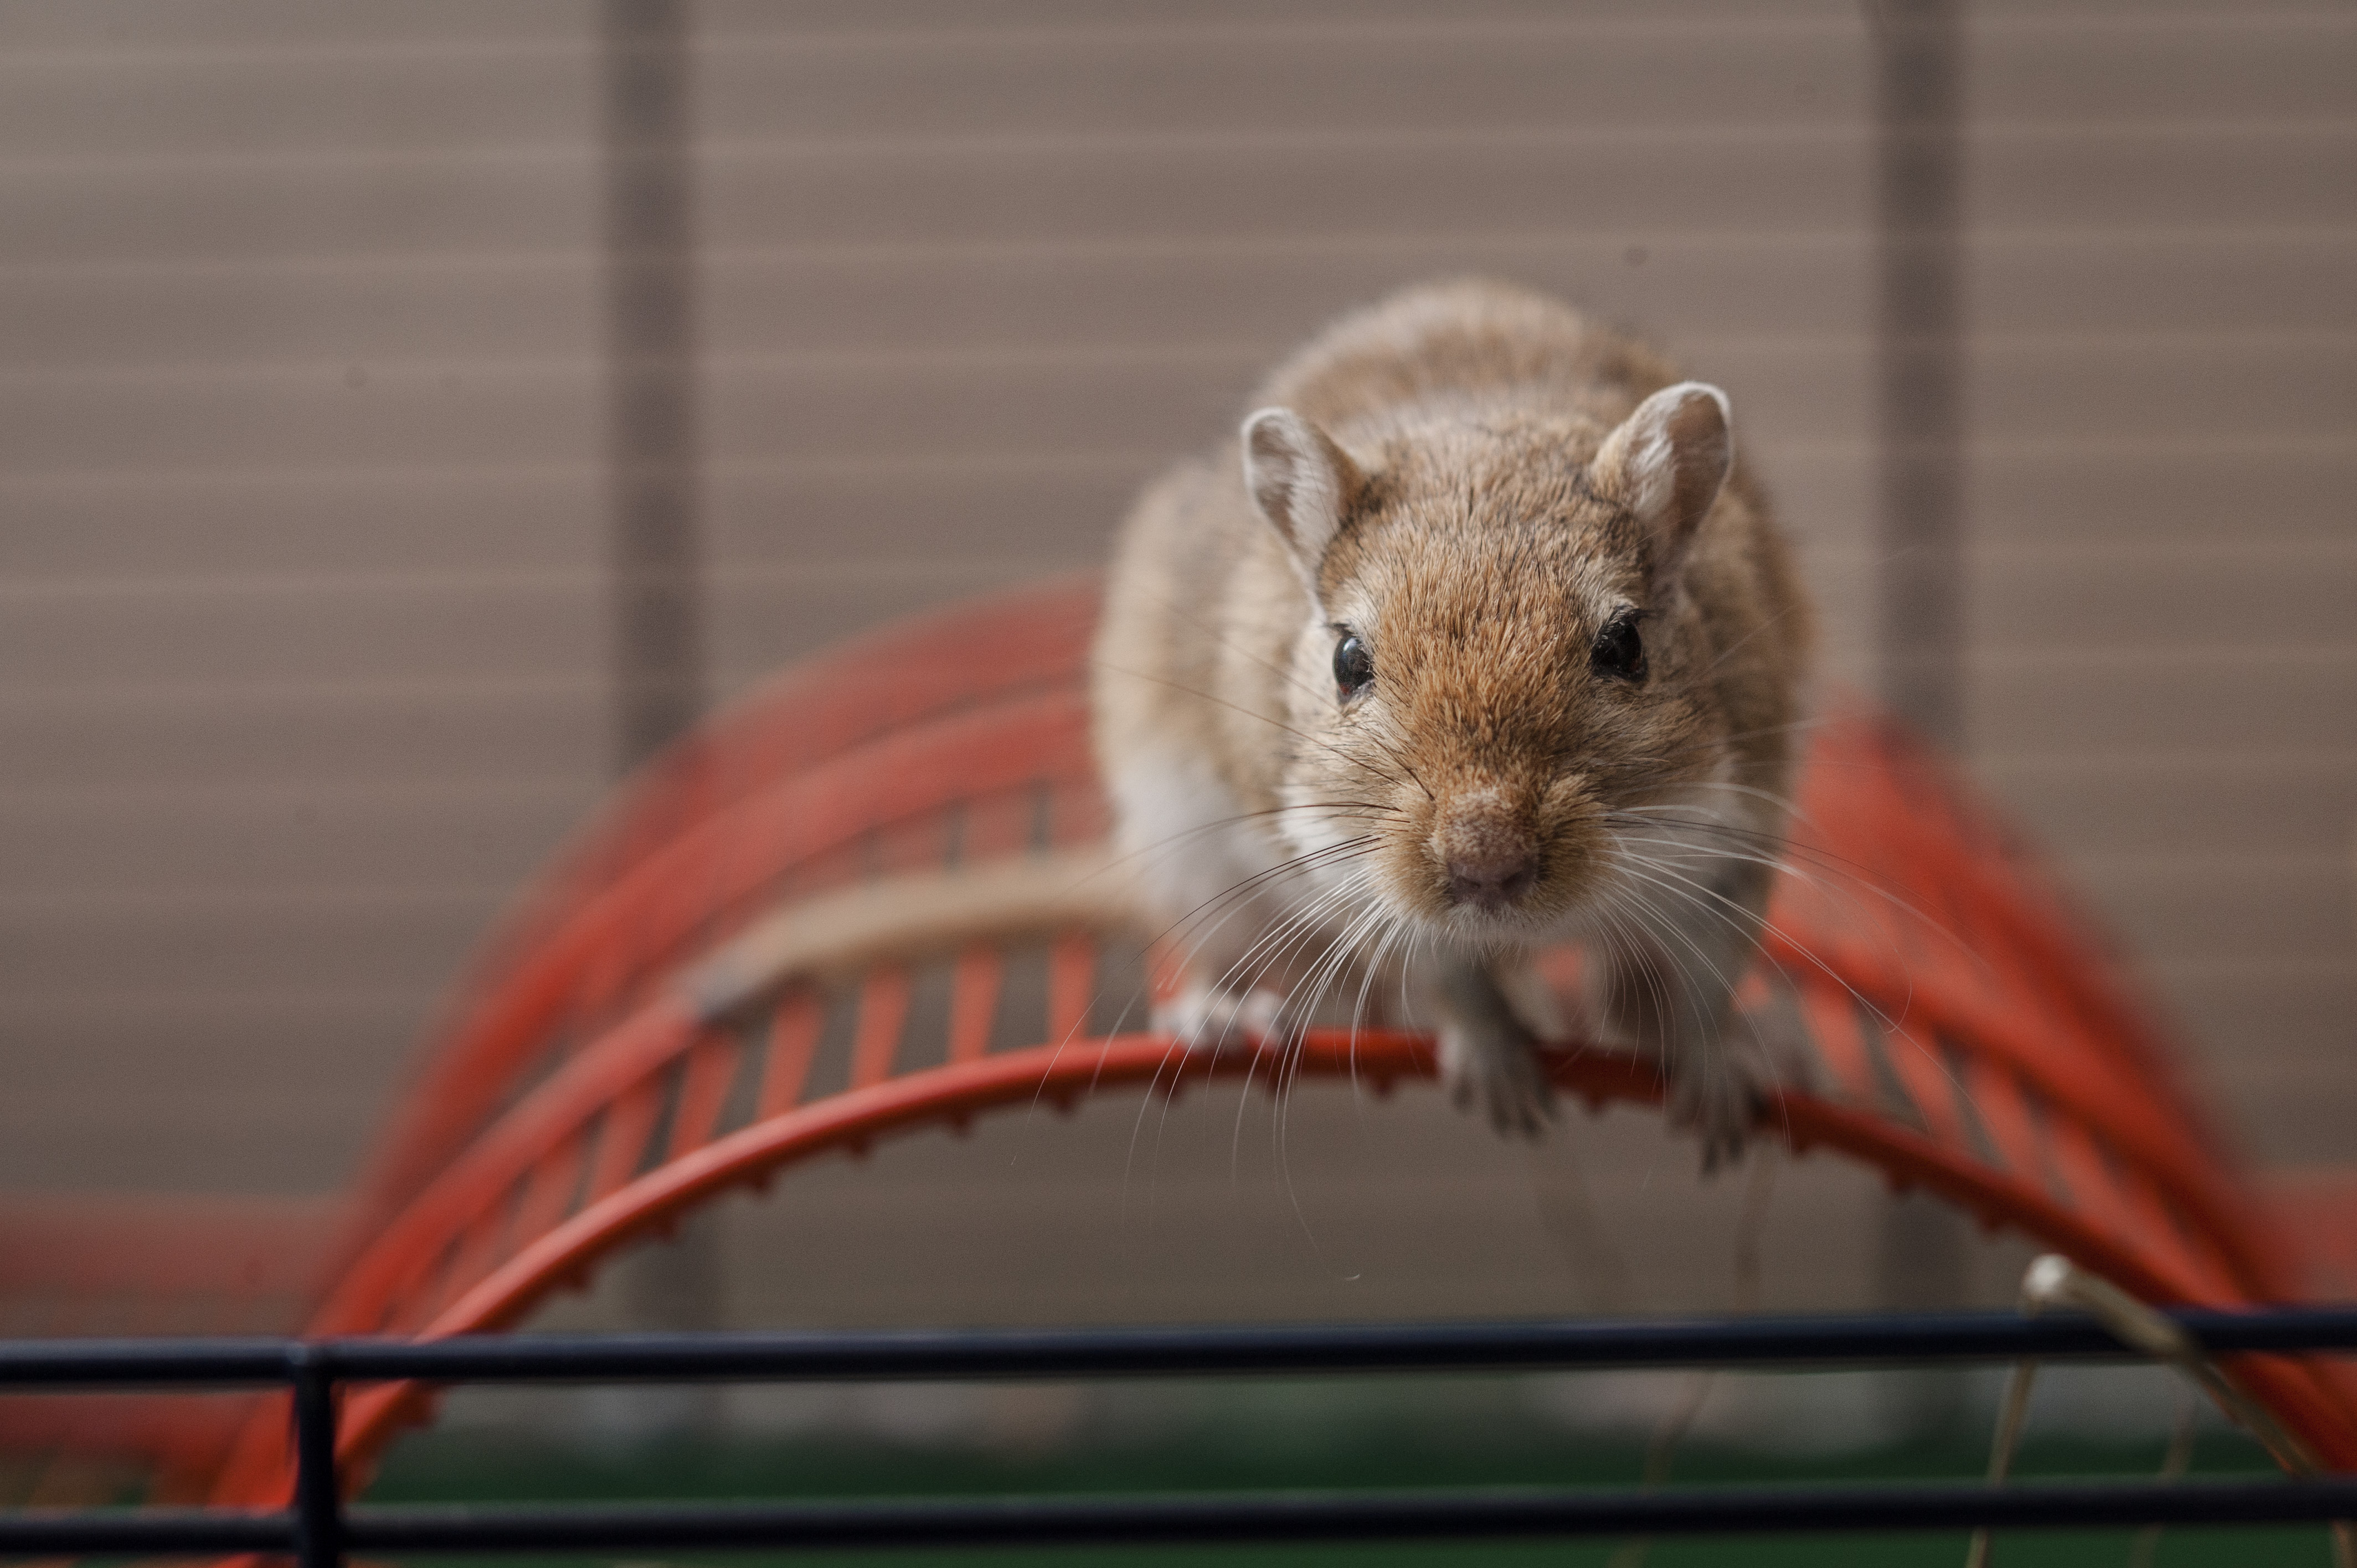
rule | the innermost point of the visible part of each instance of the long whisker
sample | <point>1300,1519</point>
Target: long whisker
<point>1786,857</point>
<point>1286,917</point>
<point>1659,923</point>
<point>1345,809</point>
<point>1770,624</point>
<point>1339,952</point>
<point>1275,723</point>
<point>1303,927</point>
<point>1892,1027</point>
<point>1313,856</point>
<point>1715,743</point>
<point>1285,931</point>
<point>1234,891</point>
<point>1339,807</point>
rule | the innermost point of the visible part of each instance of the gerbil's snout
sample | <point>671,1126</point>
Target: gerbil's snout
<point>1488,849</point>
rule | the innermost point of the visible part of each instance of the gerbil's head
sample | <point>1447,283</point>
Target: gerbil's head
<point>1501,655</point>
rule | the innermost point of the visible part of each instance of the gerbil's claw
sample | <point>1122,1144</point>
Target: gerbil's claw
<point>1719,1100</point>
<point>1202,1019</point>
<point>1502,1076</point>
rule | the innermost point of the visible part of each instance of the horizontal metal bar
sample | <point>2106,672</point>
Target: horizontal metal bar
<point>1814,1339</point>
<point>1357,1515</point>
<point>46,1531</point>
<point>1314,1516</point>
<point>210,1363</point>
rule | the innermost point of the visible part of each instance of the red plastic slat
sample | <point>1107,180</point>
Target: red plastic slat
<point>549,1191</point>
<point>1925,1078</point>
<point>622,1139</point>
<point>883,1014</point>
<point>710,1071</point>
<point>793,1038</point>
<point>973,1002</point>
<point>1832,1018</point>
<point>1997,1102</point>
<point>1072,981</point>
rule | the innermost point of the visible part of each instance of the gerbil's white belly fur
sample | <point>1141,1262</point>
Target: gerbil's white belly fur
<point>1179,834</point>
<point>1254,936</point>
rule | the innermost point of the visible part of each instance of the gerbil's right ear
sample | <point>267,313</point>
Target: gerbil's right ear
<point>1302,482</point>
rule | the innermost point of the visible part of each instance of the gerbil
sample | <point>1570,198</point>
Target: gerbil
<point>1477,640</point>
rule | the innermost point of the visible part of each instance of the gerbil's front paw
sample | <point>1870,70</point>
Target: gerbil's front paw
<point>1203,1019</point>
<point>1715,1095</point>
<point>1500,1073</point>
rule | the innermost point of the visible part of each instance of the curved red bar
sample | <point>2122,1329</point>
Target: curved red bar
<point>1063,1074</point>
<point>1958,1033</point>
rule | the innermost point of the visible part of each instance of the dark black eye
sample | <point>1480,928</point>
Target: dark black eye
<point>1620,649</point>
<point>1354,667</point>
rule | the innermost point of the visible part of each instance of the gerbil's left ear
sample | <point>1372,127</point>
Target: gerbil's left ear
<point>1666,464</point>
<point>1303,483</point>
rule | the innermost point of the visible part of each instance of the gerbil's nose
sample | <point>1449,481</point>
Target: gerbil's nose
<point>1489,855</point>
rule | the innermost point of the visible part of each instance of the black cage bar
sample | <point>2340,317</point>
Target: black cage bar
<point>319,1529</point>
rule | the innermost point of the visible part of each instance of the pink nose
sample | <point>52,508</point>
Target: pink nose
<point>1489,856</point>
<point>1490,883</point>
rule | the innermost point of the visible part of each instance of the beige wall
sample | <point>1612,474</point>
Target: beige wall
<point>303,659</point>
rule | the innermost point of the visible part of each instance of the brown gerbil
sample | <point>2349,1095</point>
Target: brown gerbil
<point>1478,639</point>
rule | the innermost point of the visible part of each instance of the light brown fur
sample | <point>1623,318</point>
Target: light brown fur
<point>1450,491</point>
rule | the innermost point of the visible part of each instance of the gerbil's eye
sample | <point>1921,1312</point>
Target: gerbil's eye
<point>1354,667</point>
<point>1620,649</point>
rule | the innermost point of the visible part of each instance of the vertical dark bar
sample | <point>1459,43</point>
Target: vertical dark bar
<point>658,580</point>
<point>318,1499</point>
<point>1921,215</point>
<point>651,311</point>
